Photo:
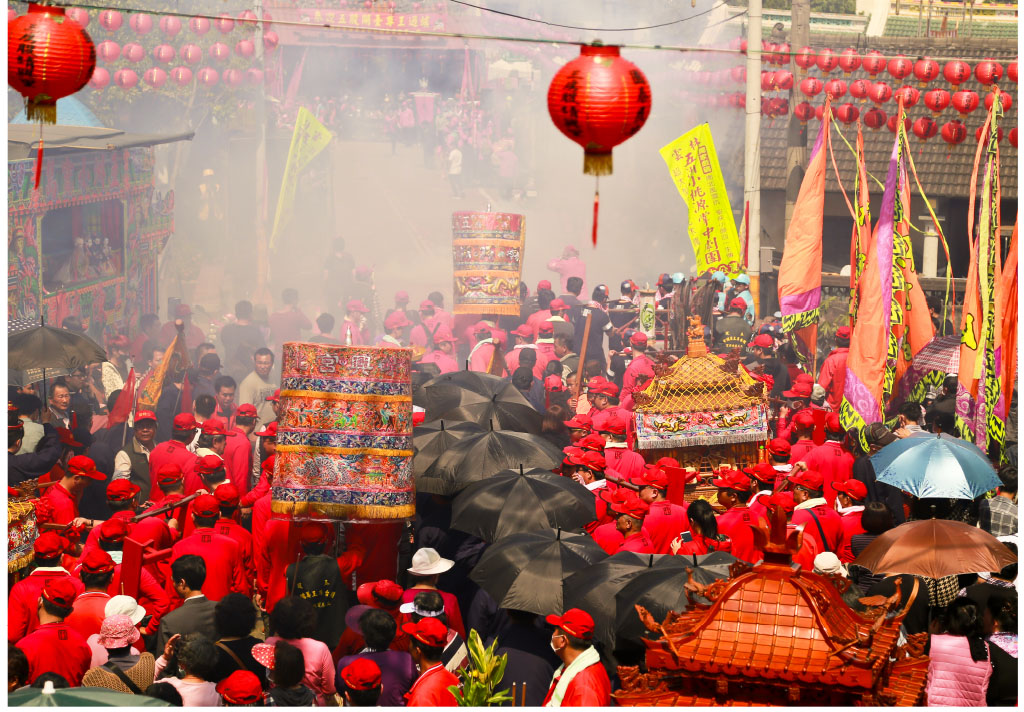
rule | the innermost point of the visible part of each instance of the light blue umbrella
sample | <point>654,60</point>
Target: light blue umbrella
<point>937,466</point>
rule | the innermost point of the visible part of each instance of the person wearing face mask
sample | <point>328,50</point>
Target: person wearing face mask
<point>581,680</point>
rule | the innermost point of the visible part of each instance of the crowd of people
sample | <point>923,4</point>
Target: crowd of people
<point>250,609</point>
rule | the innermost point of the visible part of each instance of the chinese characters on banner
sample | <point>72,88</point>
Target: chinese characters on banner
<point>693,163</point>
<point>355,20</point>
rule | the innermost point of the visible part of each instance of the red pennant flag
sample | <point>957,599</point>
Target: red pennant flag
<point>125,402</point>
<point>186,395</point>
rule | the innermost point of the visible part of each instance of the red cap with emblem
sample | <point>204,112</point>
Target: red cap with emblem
<point>580,421</point>
<point>854,489</point>
<point>809,479</point>
<point>122,490</point>
<point>60,591</point>
<point>205,505</point>
<point>145,415</point>
<point>594,461</point>
<point>246,410</point>
<point>48,545</point>
<point>780,447</point>
<point>652,477</point>
<point>575,622</point>
<point>213,426</point>
<point>185,421</point>
<point>732,479</point>
<point>97,561</point>
<point>208,464</point>
<point>82,466</point>
<point>593,443</point>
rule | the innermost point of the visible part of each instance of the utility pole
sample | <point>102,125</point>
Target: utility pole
<point>796,143</point>
<point>752,150</point>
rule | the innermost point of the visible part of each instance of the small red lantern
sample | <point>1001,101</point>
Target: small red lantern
<point>126,78</point>
<point>783,80</point>
<point>803,111</point>
<point>100,78</point>
<point>805,59</point>
<point>181,75</point>
<point>208,76</point>
<point>874,119</point>
<point>233,77</point>
<point>782,54</point>
<point>47,59</point>
<point>909,94</point>
<point>810,87</point>
<point>271,40</point>
<point>965,101</point>
<point>954,132</point>
<point>108,51</point>
<point>1013,137</point>
<point>849,61</point>
<point>155,77</point>
<point>170,26</point>
<point>956,72</point>
<point>999,134</point>
<point>779,107</point>
<point>836,88</point>
<point>988,72</point>
<point>191,54</point>
<point>819,112</point>
<point>926,69</point>
<point>110,20</point>
<point>738,74</point>
<point>255,76</point>
<point>141,23</point>
<point>874,63</point>
<point>199,25</point>
<point>224,23</point>
<point>827,60</point>
<point>245,48</point>
<point>81,16</point>
<point>767,81</point>
<point>900,67</point>
<point>219,52</point>
<point>599,100</point>
<point>880,93</point>
<point>925,128</point>
<point>847,113</point>
<point>164,53</point>
<point>937,100</point>
<point>1004,98</point>
<point>893,123</point>
<point>133,52</point>
<point>859,89</point>
<point>247,17</point>
<point>1011,70</point>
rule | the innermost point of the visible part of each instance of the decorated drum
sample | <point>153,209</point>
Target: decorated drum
<point>488,254</point>
<point>344,439</point>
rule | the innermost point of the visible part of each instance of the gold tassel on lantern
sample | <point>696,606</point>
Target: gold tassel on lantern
<point>44,110</point>
<point>597,164</point>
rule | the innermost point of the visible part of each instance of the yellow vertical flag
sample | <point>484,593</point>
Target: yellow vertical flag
<point>308,140</point>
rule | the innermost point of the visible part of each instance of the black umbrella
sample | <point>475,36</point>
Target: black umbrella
<point>481,398</point>
<point>514,501</point>
<point>525,571</point>
<point>593,589</point>
<point>660,590</point>
<point>431,440</point>
<point>477,457</point>
<point>47,347</point>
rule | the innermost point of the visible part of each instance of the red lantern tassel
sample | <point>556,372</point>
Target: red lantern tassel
<point>39,158</point>
<point>597,203</point>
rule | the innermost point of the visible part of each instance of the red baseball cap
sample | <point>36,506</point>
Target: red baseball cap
<point>241,688</point>
<point>780,447</point>
<point>269,432</point>
<point>48,545</point>
<point>616,424</point>
<point>380,594</point>
<point>97,561</point>
<point>616,498</point>
<point>573,456</point>
<point>804,419</point>
<point>762,472</point>
<point>809,479</point>
<point>737,303</point>
<point>638,338</point>
<point>168,474</point>
<point>82,466</point>
<point>185,421</point>
<point>604,388</point>
<point>208,464</point>
<point>732,479</point>
<point>145,415</point>
<point>843,332</point>
<point>524,331</point>
<point>356,305</point>
<point>594,461</point>
<point>783,499</point>
<point>361,674</point>
<point>205,505</point>
<point>122,490</point>
<point>800,390</point>
<point>804,378</point>
<point>426,304</point>
<point>833,424</point>
<point>653,476</point>
<point>593,442</point>
<point>580,421</point>
<point>246,410</point>
<point>114,529</point>
<point>575,622</point>
<point>275,397</point>
<point>226,495</point>
<point>546,328</point>
<point>67,438</point>
<point>401,296</point>
<point>213,426</point>
<point>60,591</point>
<point>429,631</point>
<point>854,489</point>
<point>397,320</point>
<point>313,533</point>
<point>444,334</point>
<point>634,507</point>
<point>763,341</point>
<point>543,284</point>
<point>558,305</point>
<point>554,384</point>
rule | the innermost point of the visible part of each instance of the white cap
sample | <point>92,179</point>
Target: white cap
<point>828,563</point>
<point>124,606</point>
<point>427,562</point>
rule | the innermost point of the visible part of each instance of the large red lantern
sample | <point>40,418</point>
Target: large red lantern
<point>133,52</point>
<point>847,113</point>
<point>909,94</point>
<point>810,87</point>
<point>926,69</point>
<point>836,88</point>
<point>880,93</point>
<point>859,89</point>
<point>874,63</point>
<point>155,77</point>
<point>100,78</point>
<point>1013,137</point>
<point>782,54</point>
<point>126,78</point>
<point>849,61</point>
<point>954,132</point>
<point>988,72</point>
<point>108,51</point>
<point>181,75</point>
<point>874,119</point>
<point>900,67</point>
<point>271,41</point>
<point>978,134</point>
<point>827,60</point>
<point>805,59</point>
<point>965,101</point>
<point>803,111</point>
<point>208,76</point>
<point>245,48</point>
<point>199,25</point>
<point>81,16</point>
<point>599,100</point>
<point>233,77</point>
<point>925,128</point>
<point>141,23</point>
<point>247,17</point>
<point>956,72</point>
<point>1011,70</point>
<point>219,52</point>
<point>783,80</point>
<point>110,20</point>
<point>1004,98</point>
<point>191,54</point>
<point>164,53</point>
<point>47,59</point>
<point>224,23</point>
<point>170,26</point>
<point>893,123</point>
<point>936,100</point>
<point>767,81</point>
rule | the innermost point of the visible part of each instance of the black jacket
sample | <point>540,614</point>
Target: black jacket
<point>32,465</point>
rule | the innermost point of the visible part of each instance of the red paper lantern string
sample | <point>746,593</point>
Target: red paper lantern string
<point>956,72</point>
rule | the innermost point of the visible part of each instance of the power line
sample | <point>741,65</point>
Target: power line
<point>589,29</point>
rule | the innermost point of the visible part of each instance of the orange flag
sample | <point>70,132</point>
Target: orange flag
<point>1006,315</point>
<point>175,359</point>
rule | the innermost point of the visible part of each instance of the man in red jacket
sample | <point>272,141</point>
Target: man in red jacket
<point>665,520</point>
<point>23,600</point>
<point>630,523</point>
<point>820,521</point>
<point>581,680</point>
<point>833,371</point>
<point>152,595</point>
<point>606,533</point>
<point>238,450</point>
<point>63,496</point>
<point>762,475</point>
<point>227,497</point>
<point>55,646</point>
<point>219,553</point>
<point>850,506</point>
<point>427,640</point>
<point>617,455</point>
<point>803,431</point>
<point>89,608</point>
<point>830,458</point>
<point>174,451</point>
<point>733,494</point>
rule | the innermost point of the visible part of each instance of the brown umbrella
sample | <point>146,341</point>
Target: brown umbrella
<point>934,548</point>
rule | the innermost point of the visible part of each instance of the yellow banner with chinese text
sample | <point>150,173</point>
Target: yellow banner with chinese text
<point>693,164</point>
<point>308,140</point>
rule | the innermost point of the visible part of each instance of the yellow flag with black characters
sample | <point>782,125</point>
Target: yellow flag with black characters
<point>309,139</point>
